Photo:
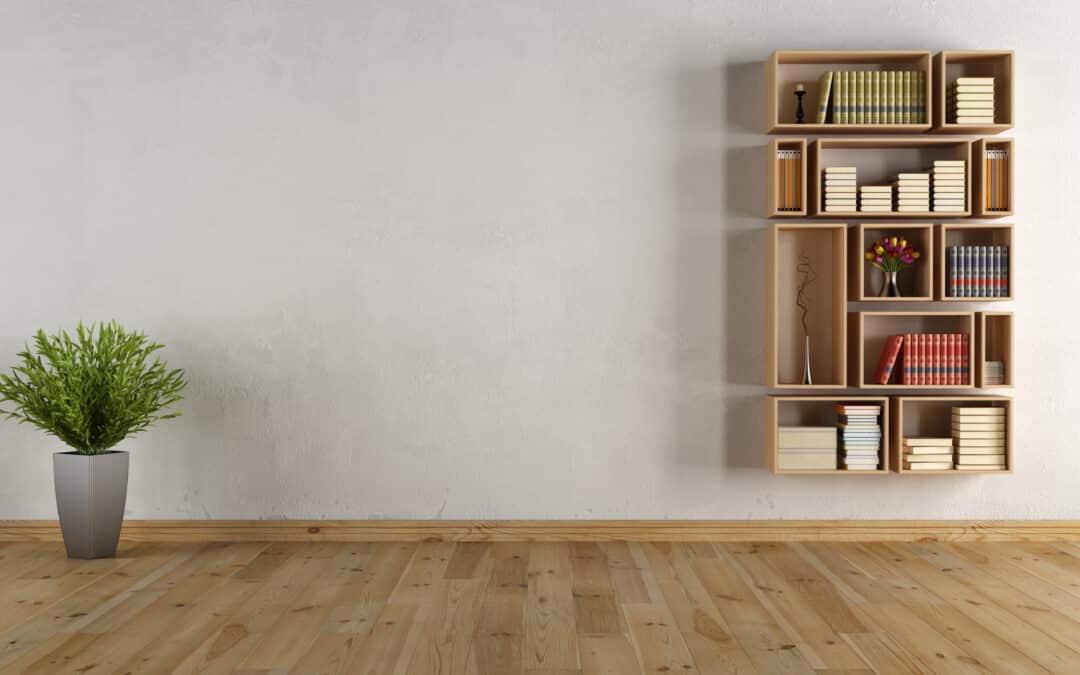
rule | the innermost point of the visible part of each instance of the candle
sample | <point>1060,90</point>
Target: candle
<point>800,87</point>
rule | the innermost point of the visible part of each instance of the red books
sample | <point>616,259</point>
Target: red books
<point>965,369</point>
<point>905,374</point>
<point>888,359</point>
<point>950,358</point>
<point>936,370</point>
<point>923,349</point>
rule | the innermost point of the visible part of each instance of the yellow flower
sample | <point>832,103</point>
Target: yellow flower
<point>903,243</point>
<point>869,255</point>
<point>893,241</point>
<point>879,249</point>
<point>915,255</point>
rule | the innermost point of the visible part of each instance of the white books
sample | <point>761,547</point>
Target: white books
<point>928,466</point>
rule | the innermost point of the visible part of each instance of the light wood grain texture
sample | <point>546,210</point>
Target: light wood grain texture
<point>994,343</point>
<point>949,65</point>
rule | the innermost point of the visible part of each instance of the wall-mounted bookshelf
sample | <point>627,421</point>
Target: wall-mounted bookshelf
<point>933,417</point>
<point>818,411</point>
<point>950,65</point>
<point>993,177</point>
<point>785,69</point>
<point>787,176</point>
<point>870,331</point>
<point>879,161</point>
<point>994,353</point>
<point>865,282</point>
<point>823,245</point>
<point>976,235</point>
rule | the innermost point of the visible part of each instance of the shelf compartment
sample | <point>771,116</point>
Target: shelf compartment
<point>949,65</point>
<point>818,411</point>
<point>870,331</point>
<point>878,161</point>
<point>785,69</point>
<point>995,343</point>
<point>993,182</point>
<point>916,282</point>
<point>972,234</point>
<point>787,177</point>
<point>825,247</point>
<point>913,416</point>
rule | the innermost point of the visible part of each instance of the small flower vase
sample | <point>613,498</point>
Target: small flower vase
<point>889,287</point>
<point>806,377</point>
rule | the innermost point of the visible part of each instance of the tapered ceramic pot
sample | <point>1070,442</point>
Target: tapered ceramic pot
<point>91,491</point>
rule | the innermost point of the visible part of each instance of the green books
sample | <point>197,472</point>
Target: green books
<point>824,88</point>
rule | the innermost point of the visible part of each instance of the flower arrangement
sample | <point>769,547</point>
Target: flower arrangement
<point>892,254</point>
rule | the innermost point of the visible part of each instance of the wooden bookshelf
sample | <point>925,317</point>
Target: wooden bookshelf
<point>869,331</point>
<point>949,65</point>
<point>817,411</point>
<point>916,282</point>
<point>878,161</point>
<point>914,416</point>
<point>777,179</point>
<point>995,343</point>
<point>785,69</point>
<point>983,182</point>
<point>824,246</point>
<point>972,234</point>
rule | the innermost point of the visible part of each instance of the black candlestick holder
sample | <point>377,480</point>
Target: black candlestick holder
<point>799,114</point>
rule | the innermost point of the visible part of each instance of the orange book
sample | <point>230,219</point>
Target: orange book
<point>888,359</point>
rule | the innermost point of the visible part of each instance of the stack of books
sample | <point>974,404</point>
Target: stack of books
<point>949,182</point>
<point>839,188</point>
<point>860,437</point>
<point>979,437</point>
<point>875,198</point>
<point>978,272</point>
<point>803,448</point>
<point>789,180</point>
<point>993,373</point>
<point>928,358</point>
<point>997,180</point>
<point>872,97</point>
<point>928,454</point>
<point>913,192</point>
<point>971,100</point>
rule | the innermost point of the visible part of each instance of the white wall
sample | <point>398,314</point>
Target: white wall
<point>479,259</point>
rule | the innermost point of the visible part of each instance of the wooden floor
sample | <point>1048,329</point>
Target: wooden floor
<point>543,608</point>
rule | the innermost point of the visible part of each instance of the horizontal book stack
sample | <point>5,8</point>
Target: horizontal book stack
<point>935,359</point>
<point>978,272</point>
<point>993,373</point>
<point>971,100</point>
<point>840,188</point>
<point>860,437</point>
<point>996,183</point>
<point>928,454</point>
<point>872,97</point>
<point>949,180</point>
<point>806,448</point>
<point>789,176</point>
<point>875,198</point>
<point>979,437</point>
<point>913,192</point>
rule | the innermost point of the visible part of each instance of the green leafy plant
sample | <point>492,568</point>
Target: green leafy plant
<point>91,391</point>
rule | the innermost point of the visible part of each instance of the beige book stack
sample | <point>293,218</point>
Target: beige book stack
<point>839,189</point>
<point>971,100</point>
<point>948,178</point>
<point>875,198</point>
<point>913,192</point>
<point>979,437</point>
<point>928,454</point>
<point>807,448</point>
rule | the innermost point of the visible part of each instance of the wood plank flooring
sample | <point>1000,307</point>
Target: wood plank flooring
<point>543,608</point>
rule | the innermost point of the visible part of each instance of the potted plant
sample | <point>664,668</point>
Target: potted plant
<point>91,391</point>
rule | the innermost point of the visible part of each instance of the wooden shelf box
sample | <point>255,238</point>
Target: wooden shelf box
<point>788,180</point>
<point>993,179</point>
<point>972,234</point>
<point>995,343</point>
<point>931,416</point>
<point>785,69</point>
<point>950,65</point>
<point>823,245</point>
<point>916,282</point>
<point>871,330</point>
<point>878,161</point>
<point>817,411</point>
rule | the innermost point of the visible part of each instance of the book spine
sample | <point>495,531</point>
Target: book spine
<point>905,100</point>
<point>920,360</point>
<point>875,97</point>
<point>965,368</point>
<point>952,272</point>
<point>994,282</point>
<point>905,372</point>
<point>939,358</point>
<point>922,97</point>
<point>843,101</point>
<point>888,359</point>
<point>950,365</point>
<point>984,270</point>
<point>860,111</point>
<point>1006,290</point>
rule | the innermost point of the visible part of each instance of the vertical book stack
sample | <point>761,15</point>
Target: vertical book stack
<point>971,100</point>
<point>860,437</point>
<point>789,175</point>
<point>806,448</point>
<point>950,185</point>
<point>979,437</point>
<point>875,198</point>
<point>839,188</point>
<point>996,185</point>
<point>978,272</point>
<point>928,454</point>
<point>913,192</point>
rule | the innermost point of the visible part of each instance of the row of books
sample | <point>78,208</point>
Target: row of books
<point>978,272</point>
<point>926,358</point>
<point>789,180</point>
<point>859,432</point>
<point>949,185</point>
<point>971,100</point>
<point>872,97</point>
<point>806,448</point>
<point>993,373</point>
<point>943,188</point>
<point>978,434</point>
<point>996,185</point>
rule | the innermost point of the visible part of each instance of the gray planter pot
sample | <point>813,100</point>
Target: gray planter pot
<point>91,491</point>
